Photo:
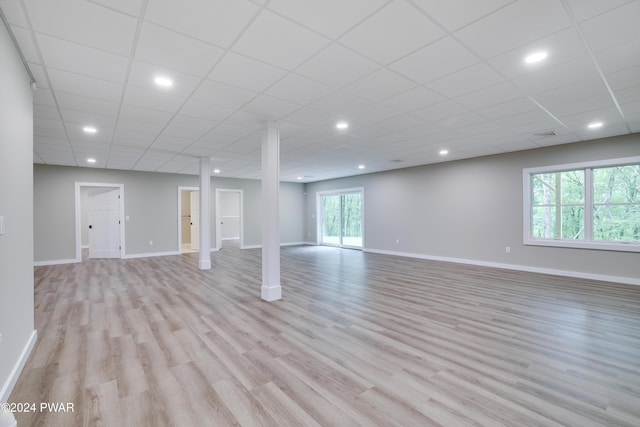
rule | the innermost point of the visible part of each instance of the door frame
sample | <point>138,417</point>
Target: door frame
<point>219,216</point>
<point>319,216</point>
<point>180,190</point>
<point>78,214</point>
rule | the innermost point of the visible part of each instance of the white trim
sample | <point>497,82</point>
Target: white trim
<point>78,213</point>
<point>319,194</point>
<point>219,217</point>
<point>10,383</point>
<point>517,267</point>
<point>180,190</point>
<point>55,262</point>
<point>281,244</point>
<point>151,254</point>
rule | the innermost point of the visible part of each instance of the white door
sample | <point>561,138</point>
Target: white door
<point>195,220</point>
<point>104,223</point>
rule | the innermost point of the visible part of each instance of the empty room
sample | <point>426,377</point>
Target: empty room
<point>319,213</point>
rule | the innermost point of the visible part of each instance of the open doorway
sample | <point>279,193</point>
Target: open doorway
<point>188,219</point>
<point>100,230</point>
<point>229,229</point>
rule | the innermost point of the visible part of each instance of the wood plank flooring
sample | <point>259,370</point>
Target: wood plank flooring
<point>358,340</point>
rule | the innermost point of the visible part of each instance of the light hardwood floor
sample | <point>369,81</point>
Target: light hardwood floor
<point>357,340</point>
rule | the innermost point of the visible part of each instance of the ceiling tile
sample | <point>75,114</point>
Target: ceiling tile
<point>83,60</point>
<point>453,14</point>
<point>154,100</point>
<point>215,21</point>
<point>298,89</point>
<point>89,105</point>
<point>246,73</point>
<point>619,57</point>
<point>612,28</point>
<point>557,76</point>
<point>509,108</point>
<point>514,25</point>
<point>561,47</point>
<point>13,12</point>
<point>470,79</point>
<point>80,20</point>
<point>586,9</point>
<point>322,67</point>
<point>624,79</point>
<point>142,75</point>
<point>44,97</point>
<point>76,84</point>
<point>27,45</point>
<point>130,7</point>
<point>491,95</point>
<point>144,115</point>
<point>203,110</point>
<point>275,40</point>
<point>223,95</point>
<point>440,111</point>
<point>329,17</point>
<point>176,51</point>
<point>413,99</point>
<point>340,103</point>
<point>393,32</point>
<point>380,85</point>
<point>270,107</point>
<point>436,60</point>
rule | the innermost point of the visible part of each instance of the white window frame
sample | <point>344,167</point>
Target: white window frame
<point>319,219</point>
<point>587,242</point>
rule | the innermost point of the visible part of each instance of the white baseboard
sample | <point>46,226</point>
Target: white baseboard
<point>7,387</point>
<point>150,254</point>
<point>55,262</point>
<point>517,267</point>
<point>281,244</point>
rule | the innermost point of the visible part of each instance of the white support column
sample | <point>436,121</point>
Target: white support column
<point>204,262</point>
<point>271,289</point>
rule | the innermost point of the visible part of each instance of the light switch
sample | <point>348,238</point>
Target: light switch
<point>1,225</point>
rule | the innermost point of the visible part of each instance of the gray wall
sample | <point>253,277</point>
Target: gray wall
<point>16,206</point>
<point>472,209</point>
<point>151,202</point>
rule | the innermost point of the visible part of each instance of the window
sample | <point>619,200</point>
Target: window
<point>588,205</point>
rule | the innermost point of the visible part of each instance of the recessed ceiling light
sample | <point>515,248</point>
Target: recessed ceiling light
<point>89,129</point>
<point>535,57</point>
<point>342,125</point>
<point>360,166</point>
<point>595,125</point>
<point>444,152</point>
<point>216,171</point>
<point>91,160</point>
<point>299,177</point>
<point>163,81</point>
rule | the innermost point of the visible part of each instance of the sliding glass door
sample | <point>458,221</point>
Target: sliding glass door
<point>340,218</point>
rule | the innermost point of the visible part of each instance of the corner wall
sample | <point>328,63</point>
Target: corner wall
<point>471,210</point>
<point>16,207</point>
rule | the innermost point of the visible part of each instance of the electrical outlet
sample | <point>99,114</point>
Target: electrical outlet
<point>150,242</point>
<point>508,249</point>
<point>397,241</point>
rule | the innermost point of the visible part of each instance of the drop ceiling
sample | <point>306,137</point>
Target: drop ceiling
<point>410,77</point>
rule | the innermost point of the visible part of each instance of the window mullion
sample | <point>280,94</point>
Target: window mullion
<point>588,204</point>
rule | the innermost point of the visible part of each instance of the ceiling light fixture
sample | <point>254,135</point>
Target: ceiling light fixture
<point>216,171</point>
<point>299,177</point>
<point>360,166</point>
<point>444,152</point>
<point>89,129</point>
<point>163,81</point>
<point>595,125</point>
<point>342,125</point>
<point>91,160</point>
<point>535,57</point>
